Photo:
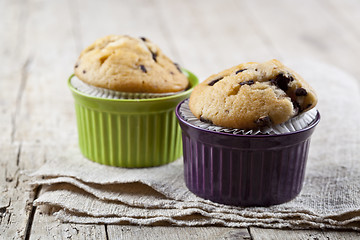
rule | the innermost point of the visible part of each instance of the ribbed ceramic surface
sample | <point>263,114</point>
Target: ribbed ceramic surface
<point>131,133</point>
<point>244,177</point>
<point>137,140</point>
<point>245,170</point>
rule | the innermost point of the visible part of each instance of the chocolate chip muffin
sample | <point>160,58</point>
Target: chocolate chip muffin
<point>128,64</point>
<point>252,95</point>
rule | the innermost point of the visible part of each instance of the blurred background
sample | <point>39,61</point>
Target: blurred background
<point>205,36</point>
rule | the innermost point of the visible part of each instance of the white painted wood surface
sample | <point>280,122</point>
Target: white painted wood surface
<point>40,41</point>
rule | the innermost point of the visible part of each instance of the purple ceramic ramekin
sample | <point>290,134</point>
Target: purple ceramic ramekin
<point>244,170</point>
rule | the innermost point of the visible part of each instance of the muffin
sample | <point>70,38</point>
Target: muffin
<point>252,95</point>
<point>246,143</point>
<point>125,92</point>
<point>127,64</point>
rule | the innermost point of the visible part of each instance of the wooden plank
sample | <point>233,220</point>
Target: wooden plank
<point>164,233</point>
<point>14,188</point>
<point>46,104</point>
<point>15,195</point>
<point>346,12</point>
<point>343,17</point>
<point>212,36</point>
<point>135,18</point>
<point>276,234</point>
<point>10,68</point>
<point>306,30</point>
<point>9,177</point>
<point>45,226</point>
<point>44,108</point>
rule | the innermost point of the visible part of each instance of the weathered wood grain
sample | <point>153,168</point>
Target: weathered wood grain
<point>272,234</point>
<point>165,233</point>
<point>10,69</point>
<point>15,194</point>
<point>44,115</point>
<point>347,15</point>
<point>40,41</point>
<point>310,30</point>
<point>45,226</point>
<point>217,35</point>
<point>36,82</point>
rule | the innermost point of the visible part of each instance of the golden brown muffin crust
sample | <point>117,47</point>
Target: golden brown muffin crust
<point>128,64</point>
<point>252,95</point>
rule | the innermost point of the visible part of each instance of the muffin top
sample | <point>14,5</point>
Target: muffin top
<point>128,64</point>
<point>252,95</point>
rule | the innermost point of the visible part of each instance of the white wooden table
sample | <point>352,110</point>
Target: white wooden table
<point>40,41</point>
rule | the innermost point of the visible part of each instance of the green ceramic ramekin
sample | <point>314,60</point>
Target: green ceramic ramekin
<point>132,133</point>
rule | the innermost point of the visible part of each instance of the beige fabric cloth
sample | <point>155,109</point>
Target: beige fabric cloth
<point>86,192</point>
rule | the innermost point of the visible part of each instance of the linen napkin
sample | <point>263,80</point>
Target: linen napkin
<point>80,191</point>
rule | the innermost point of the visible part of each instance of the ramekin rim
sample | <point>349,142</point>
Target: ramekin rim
<point>175,96</point>
<point>313,124</point>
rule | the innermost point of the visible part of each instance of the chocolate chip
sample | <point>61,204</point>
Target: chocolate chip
<point>143,38</point>
<point>154,55</point>
<point>84,71</point>
<point>215,81</point>
<point>250,82</point>
<point>205,120</point>
<point>309,105</point>
<point>142,67</point>
<point>239,71</point>
<point>263,121</point>
<point>297,107</point>
<point>282,81</point>
<point>76,66</point>
<point>172,73</point>
<point>178,67</point>
<point>300,92</point>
